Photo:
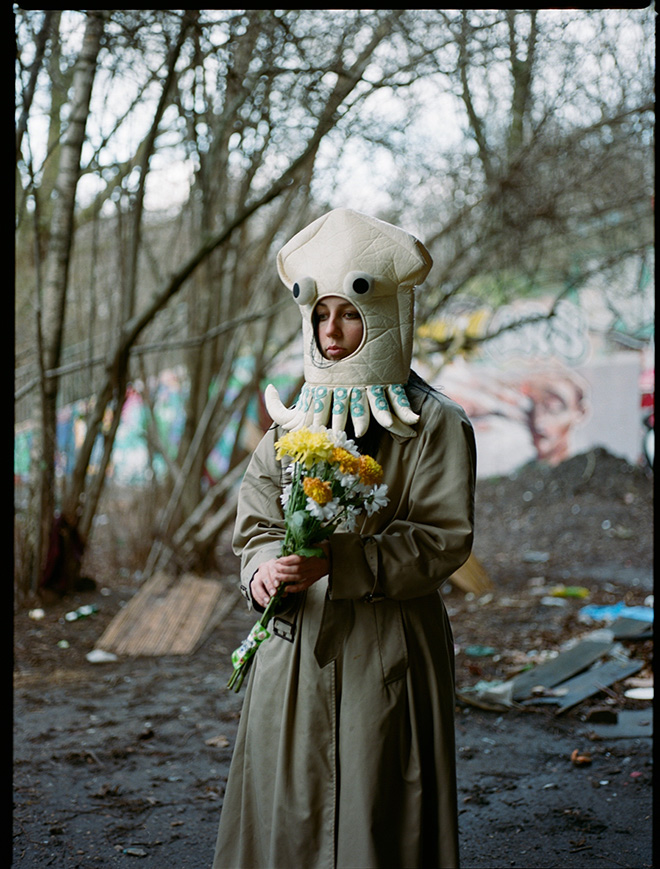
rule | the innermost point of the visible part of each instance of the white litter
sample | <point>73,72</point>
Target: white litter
<point>98,656</point>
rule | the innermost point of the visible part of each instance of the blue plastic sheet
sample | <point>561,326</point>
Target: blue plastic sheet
<point>610,612</point>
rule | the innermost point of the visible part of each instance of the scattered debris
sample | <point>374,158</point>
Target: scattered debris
<point>639,693</point>
<point>219,741</point>
<point>81,613</point>
<point>472,576</point>
<point>99,656</point>
<point>631,629</point>
<point>595,679</point>
<point>167,617</point>
<point>590,665</point>
<point>640,682</point>
<point>480,651</point>
<point>572,591</point>
<point>608,614</point>
<point>580,758</point>
<point>135,852</point>
<point>563,667</point>
<point>493,696</point>
<point>534,557</point>
<point>549,600</point>
<point>630,724</point>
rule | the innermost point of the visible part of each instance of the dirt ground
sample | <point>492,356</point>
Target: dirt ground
<point>125,762</point>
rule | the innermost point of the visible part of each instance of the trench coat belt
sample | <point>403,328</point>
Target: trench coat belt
<point>333,630</point>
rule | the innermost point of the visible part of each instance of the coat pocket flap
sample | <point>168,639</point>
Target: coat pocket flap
<point>392,644</point>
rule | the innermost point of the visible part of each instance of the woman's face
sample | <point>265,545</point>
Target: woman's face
<point>339,327</point>
<point>557,408</point>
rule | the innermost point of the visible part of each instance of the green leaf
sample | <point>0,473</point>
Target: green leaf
<point>298,518</point>
<point>310,552</point>
<point>325,532</point>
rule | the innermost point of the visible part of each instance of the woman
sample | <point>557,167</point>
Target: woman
<point>345,750</point>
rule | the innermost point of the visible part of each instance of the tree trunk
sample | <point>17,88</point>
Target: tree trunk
<point>78,503</point>
<point>56,282</point>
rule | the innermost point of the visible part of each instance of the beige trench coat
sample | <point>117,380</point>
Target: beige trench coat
<point>345,755</point>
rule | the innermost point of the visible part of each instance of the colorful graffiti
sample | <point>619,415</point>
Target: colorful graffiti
<point>529,413</point>
<point>524,406</point>
<point>542,390</point>
<point>133,460</point>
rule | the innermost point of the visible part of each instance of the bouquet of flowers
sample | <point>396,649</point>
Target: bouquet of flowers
<point>331,484</point>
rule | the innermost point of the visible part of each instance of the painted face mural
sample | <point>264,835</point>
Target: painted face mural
<point>374,266</point>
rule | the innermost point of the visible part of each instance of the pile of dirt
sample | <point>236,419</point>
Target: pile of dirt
<point>584,527</point>
<point>590,513</point>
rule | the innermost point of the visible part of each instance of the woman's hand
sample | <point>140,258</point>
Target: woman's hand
<point>296,572</point>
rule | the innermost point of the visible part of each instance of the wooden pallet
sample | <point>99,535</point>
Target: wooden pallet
<point>167,616</point>
<point>472,576</point>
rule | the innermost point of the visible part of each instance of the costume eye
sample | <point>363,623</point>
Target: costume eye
<point>358,284</point>
<point>304,291</point>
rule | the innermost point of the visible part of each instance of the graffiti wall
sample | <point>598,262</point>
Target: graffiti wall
<point>550,412</point>
<point>547,390</point>
<point>136,458</point>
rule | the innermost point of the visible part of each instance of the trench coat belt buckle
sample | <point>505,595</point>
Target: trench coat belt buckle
<point>373,598</point>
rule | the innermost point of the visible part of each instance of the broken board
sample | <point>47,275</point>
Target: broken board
<point>168,616</point>
<point>631,629</point>
<point>630,724</point>
<point>564,666</point>
<point>586,684</point>
<point>472,576</point>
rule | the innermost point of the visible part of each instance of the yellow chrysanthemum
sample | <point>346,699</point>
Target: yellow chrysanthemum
<point>371,473</point>
<point>318,490</point>
<point>305,447</point>
<point>348,463</point>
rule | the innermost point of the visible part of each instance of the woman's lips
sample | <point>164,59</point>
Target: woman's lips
<point>335,352</point>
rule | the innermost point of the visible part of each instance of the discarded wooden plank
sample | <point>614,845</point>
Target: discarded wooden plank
<point>564,666</point>
<point>472,576</point>
<point>165,617</point>
<point>631,629</point>
<point>126,618</point>
<point>595,679</point>
<point>191,629</point>
<point>225,603</point>
<point>157,624</point>
<point>630,724</point>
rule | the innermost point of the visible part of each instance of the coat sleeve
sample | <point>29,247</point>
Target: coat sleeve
<point>259,528</point>
<point>431,536</point>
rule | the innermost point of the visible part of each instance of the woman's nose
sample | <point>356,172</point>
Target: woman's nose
<point>332,325</point>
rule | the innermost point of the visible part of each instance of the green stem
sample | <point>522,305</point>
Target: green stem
<point>289,547</point>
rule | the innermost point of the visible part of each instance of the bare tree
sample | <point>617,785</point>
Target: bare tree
<point>256,70</point>
<point>550,177</point>
<point>51,312</point>
<point>519,140</point>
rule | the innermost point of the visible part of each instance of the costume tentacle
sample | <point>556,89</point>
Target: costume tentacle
<point>326,405</point>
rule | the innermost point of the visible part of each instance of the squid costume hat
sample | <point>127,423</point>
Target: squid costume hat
<point>376,267</point>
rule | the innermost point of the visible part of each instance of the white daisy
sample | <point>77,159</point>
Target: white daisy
<point>350,521</point>
<point>286,494</point>
<point>325,512</point>
<point>377,499</point>
<point>340,439</point>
